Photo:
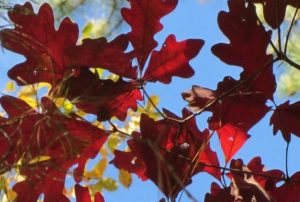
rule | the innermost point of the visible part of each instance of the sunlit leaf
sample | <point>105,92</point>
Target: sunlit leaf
<point>97,171</point>
<point>39,159</point>
<point>109,184</point>
<point>113,142</point>
<point>10,86</point>
<point>125,178</point>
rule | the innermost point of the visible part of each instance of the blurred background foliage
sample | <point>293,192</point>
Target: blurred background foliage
<point>289,77</point>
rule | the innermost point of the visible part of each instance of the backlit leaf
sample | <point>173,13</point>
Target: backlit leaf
<point>144,18</point>
<point>125,178</point>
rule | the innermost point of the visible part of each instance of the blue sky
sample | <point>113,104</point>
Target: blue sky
<point>192,19</point>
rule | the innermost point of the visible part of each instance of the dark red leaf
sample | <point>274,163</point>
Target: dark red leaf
<point>15,107</point>
<point>47,178</point>
<point>172,60</point>
<point>242,106</point>
<point>171,154</point>
<point>35,37</point>
<point>217,194</point>
<point>286,118</point>
<point>289,191</point>
<point>274,11</point>
<point>99,197</point>
<point>198,97</point>
<point>247,48</point>
<point>231,139</point>
<point>111,56</point>
<point>66,140</point>
<point>207,156</point>
<point>294,3</point>
<point>104,98</point>
<point>82,194</point>
<point>232,103</point>
<point>52,55</point>
<point>128,161</point>
<point>257,187</point>
<point>144,18</point>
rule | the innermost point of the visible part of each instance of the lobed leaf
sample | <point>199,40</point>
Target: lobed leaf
<point>144,18</point>
<point>172,60</point>
<point>286,118</point>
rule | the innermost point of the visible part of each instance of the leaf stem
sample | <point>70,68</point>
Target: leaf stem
<point>116,129</point>
<point>290,29</point>
<point>286,160</point>
<point>225,93</point>
<point>152,103</point>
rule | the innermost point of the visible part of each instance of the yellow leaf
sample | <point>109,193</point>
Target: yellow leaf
<point>81,113</point>
<point>39,159</point>
<point>10,86</point>
<point>29,93</point>
<point>65,104</point>
<point>113,142</point>
<point>97,171</point>
<point>11,195</point>
<point>113,77</point>
<point>109,184</point>
<point>2,183</point>
<point>95,28</point>
<point>104,152</point>
<point>125,178</point>
<point>96,187</point>
<point>30,100</point>
<point>149,105</point>
<point>98,71</point>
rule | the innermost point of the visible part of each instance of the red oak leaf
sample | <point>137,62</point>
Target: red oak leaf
<point>35,37</point>
<point>198,98</point>
<point>247,48</point>
<point>289,191</point>
<point>286,118</point>
<point>232,103</point>
<point>47,178</point>
<point>274,11</point>
<point>170,157</point>
<point>247,187</point>
<point>66,140</point>
<point>243,107</point>
<point>52,55</point>
<point>128,161</point>
<point>257,187</point>
<point>231,139</point>
<point>100,53</point>
<point>256,166</point>
<point>99,197</point>
<point>209,157</point>
<point>217,194</point>
<point>82,194</point>
<point>294,3</point>
<point>104,98</point>
<point>144,18</point>
<point>172,60</point>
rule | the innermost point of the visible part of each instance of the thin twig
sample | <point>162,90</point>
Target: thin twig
<point>224,94</point>
<point>203,164</point>
<point>286,159</point>
<point>152,103</point>
<point>116,129</point>
<point>261,24</point>
<point>290,29</point>
<point>279,28</point>
<point>291,62</point>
